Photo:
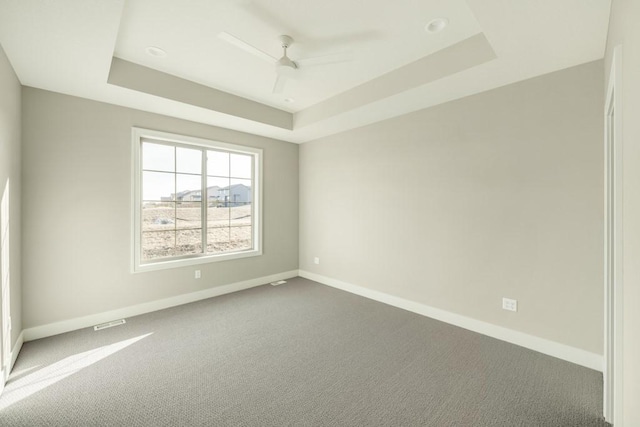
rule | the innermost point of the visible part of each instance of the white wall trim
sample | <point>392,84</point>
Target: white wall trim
<point>4,375</point>
<point>16,349</point>
<point>551,348</point>
<point>613,248</point>
<point>135,310</point>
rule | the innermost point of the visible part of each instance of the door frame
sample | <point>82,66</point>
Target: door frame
<point>5,285</point>
<point>613,251</point>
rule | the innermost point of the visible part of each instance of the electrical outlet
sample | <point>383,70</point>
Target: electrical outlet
<point>316,260</point>
<point>197,274</point>
<point>510,304</point>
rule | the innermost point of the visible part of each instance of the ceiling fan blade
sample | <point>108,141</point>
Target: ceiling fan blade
<point>331,58</point>
<point>231,39</point>
<point>278,87</point>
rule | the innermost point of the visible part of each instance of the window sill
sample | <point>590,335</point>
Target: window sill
<point>185,262</point>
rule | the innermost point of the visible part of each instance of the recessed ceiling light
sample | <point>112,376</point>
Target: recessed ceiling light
<point>155,51</point>
<point>436,25</point>
<point>289,100</point>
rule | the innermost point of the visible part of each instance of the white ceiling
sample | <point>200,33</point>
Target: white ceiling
<point>383,36</point>
<point>67,46</point>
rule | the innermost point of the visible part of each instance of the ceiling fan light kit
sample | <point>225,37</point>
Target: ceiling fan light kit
<point>286,67</point>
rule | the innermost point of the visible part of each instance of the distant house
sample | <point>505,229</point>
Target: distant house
<point>213,194</point>
<point>191,196</point>
<point>235,195</point>
<point>186,196</point>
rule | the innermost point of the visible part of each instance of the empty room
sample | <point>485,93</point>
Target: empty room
<point>320,213</point>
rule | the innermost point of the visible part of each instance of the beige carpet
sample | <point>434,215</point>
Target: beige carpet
<point>300,354</point>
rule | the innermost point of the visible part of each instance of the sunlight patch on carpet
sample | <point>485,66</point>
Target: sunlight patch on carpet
<point>24,387</point>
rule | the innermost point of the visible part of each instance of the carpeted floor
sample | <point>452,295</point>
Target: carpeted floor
<point>299,354</point>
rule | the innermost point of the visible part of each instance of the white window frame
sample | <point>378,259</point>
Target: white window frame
<point>138,266</point>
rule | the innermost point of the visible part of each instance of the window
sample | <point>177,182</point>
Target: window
<point>194,200</point>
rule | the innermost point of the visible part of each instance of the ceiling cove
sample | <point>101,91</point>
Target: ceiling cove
<point>348,63</point>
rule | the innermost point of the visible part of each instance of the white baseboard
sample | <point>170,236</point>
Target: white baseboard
<point>16,349</point>
<point>551,348</point>
<point>4,375</point>
<point>56,328</point>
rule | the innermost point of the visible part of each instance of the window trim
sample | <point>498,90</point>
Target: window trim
<point>137,135</point>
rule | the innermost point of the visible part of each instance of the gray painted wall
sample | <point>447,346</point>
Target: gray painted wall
<point>10,112</point>
<point>495,195</point>
<point>77,210</point>
<point>625,31</point>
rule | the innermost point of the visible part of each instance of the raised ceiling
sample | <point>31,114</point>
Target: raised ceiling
<point>382,35</point>
<point>96,49</point>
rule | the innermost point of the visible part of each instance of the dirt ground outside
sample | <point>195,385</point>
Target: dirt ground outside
<point>175,229</point>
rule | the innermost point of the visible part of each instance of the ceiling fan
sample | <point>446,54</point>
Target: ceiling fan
<point>285,66</point>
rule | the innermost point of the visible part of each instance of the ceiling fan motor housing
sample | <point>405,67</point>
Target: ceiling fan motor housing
<point>286,66</point>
